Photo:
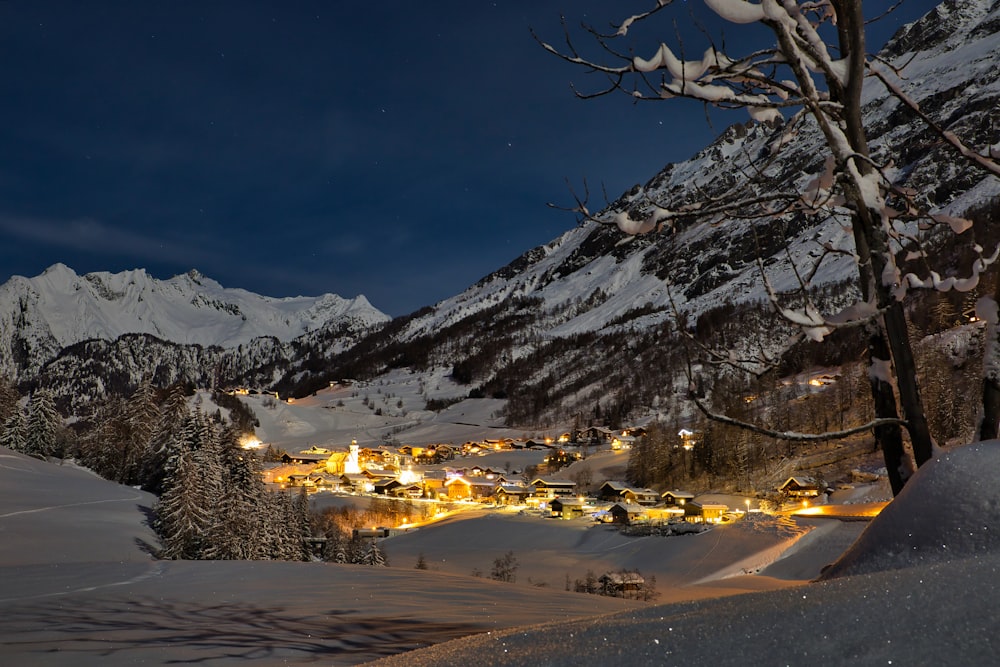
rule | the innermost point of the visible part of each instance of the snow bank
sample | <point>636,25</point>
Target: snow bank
<point>948,510</point>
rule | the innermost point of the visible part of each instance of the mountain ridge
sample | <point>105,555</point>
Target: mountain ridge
<point>57,309</point>
<point>583,321</point>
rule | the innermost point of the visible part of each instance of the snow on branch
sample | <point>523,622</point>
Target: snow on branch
<point>794,435</point>
<point>986,163</point>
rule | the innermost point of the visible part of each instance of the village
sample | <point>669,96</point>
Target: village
<point>444,477</point>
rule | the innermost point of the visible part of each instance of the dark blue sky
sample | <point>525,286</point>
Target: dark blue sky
<point>398,150</point>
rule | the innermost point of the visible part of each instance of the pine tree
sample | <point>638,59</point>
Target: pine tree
<point>373,555</point>
<point>15,431</point>
<point>8,400</point>
<point>284,542</point>
<point>44,423</point>
<point>301,522</point>
<point>173,414</point>
<point>101,447</point>
<point>141,417</point>
<point>184,514</point>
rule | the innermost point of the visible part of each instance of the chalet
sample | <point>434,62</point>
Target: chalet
<point>661,515</point>
<point>618,491</point>
<point>611,491</point>
<point>800,487</point>
<point>622,584</point>
<point>497,445</point>
<point>549,489</point>
<point>625,513</point>
<point>567,508</point>
<point>597,435</point>
<point>676,498</point>
<point>300,480</point>
<point>357,482</point>
<point>304,457</point>
<point>379,458</point>
<point>412,490</point>
<point>377,475</point>
<point>697,512</point>
<point>488,473</point>
<point>644,497</point>
<point>434,481</point>
<point>512,494</point>
<point>386,487</point>
<point>537,444</point>
<point>468,488</point>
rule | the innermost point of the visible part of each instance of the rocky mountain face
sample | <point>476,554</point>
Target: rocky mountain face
<point>584,321</point>
<point>102,331</point>
<point>582,326</point>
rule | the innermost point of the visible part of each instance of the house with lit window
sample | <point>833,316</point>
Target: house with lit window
<point>800,487</point>
<point>625,513</point>
<point>567,508</point>
<point>545,489</point>
<point>469,488</point>
<point>512,494</point>
<point>676,498</point>
<point>697,512</point>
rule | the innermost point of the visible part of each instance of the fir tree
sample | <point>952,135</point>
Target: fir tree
<point>284,542</point>
<point>8,400</point>
<point>173,414</point>
<point>44,423</point>
<point>373,555</point>
<point>14,433</point>
<point>184,514</point>
<point>301,523</point>
<point>141,417</point>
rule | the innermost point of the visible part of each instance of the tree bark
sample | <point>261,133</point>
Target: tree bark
<point>988,426</point>
<point>872,246</point>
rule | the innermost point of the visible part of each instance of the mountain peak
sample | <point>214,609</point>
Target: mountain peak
<point>59,308</point>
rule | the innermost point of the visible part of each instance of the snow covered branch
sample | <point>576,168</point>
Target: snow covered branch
<point>984,162</point>
<point>793,435</point>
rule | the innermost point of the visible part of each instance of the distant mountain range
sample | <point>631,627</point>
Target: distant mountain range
<point>572,327</point>
<point>41,317</point>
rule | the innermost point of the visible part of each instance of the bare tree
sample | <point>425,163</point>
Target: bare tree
<point>808,80</point>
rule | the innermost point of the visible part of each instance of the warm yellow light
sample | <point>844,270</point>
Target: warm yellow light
<point>250,442</point>
<point>815,383</point>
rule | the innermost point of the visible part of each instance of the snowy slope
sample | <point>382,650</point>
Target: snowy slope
<point>39,316</point>
<point>948,62</point>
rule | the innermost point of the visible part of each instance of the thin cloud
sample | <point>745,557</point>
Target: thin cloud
<point>96,237</point>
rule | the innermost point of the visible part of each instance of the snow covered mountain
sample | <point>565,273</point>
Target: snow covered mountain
<point>581,321</point>
<point>577,326</point>
<point>41,316</point>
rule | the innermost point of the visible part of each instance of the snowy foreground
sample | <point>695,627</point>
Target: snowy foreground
<point>917,588</point>
<point>78,587</point>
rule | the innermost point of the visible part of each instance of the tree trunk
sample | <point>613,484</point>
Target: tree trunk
<point>988,426</point>
<point>872,246</point>
<point>888,438</point>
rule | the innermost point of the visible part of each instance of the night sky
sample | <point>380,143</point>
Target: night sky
<point>400,150</point>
